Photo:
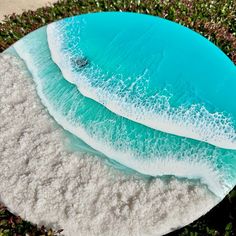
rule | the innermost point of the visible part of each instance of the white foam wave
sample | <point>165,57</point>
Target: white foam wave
<point>194,122</point>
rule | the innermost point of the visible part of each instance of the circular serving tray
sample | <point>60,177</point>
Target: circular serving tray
<point>144,99</point>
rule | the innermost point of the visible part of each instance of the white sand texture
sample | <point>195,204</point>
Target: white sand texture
<point>8,7</point>
<point>46,184</point>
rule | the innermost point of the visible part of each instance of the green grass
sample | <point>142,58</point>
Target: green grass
<point>214,19</point>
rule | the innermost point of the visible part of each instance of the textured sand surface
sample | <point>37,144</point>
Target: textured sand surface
<point>45,183</point>
<point>8,7</point>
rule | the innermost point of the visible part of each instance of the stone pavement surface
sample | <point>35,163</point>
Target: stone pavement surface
<point>7,7</point>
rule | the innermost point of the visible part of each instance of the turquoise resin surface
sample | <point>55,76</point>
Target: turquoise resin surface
<point>152,95</point>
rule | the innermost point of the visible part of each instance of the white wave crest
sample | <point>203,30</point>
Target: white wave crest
<point>195,121</point>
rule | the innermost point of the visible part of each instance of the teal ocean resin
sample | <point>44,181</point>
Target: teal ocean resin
<point>148,93</point>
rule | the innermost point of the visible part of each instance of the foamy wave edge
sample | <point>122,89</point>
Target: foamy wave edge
<point>213,128</point>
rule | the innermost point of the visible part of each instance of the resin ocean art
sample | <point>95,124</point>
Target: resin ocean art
<point>147,93</point>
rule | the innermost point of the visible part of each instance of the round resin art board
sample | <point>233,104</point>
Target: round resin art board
<point>118,123</point>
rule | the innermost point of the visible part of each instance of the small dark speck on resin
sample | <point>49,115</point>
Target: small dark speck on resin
<point>81,62</point>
